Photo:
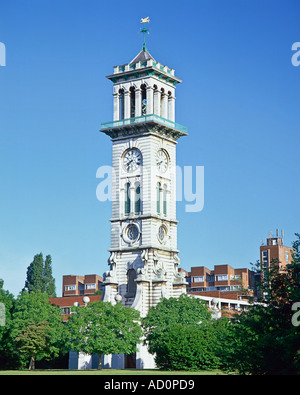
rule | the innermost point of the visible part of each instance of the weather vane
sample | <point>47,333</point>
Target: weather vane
<point>145,31</point>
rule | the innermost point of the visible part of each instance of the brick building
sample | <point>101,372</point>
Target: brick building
<point>274,250</point>
<point>74,289</point>
<point>66,303</point>
<point>81,285</point>
<point>222,279</point>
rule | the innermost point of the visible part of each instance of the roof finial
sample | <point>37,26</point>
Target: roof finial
<point>145,31</point>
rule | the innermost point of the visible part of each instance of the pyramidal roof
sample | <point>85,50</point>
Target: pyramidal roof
<point>143,56</point>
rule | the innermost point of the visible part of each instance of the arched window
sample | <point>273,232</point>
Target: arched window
<point>144,99</point>
<point>132,102</point>
<point>127,198</point>
<point>165,200</point>
<point>121,104</point>
<point>137,198</point>
<point>162,98</point>
<point>158,187</point>
<point>170,107</point>
<point>131,283</point>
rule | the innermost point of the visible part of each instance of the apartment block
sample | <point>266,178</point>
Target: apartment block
<point>81,285</point>
<point>66,303</point>
<point>275,251</point>
<point>223,278</point>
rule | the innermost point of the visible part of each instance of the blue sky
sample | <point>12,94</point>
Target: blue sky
<point>239,99</point>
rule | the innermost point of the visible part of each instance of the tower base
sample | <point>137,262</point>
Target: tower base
<point>142,359</point>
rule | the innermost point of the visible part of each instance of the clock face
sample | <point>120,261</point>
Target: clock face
<point>132,232</point>
<point>132,160</point>
<point>162,232</point>
<point>162,160</point>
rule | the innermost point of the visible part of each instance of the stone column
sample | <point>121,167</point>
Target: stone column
<point>156,104</point>
<point>138,103</point>
<point>164,106</point>
<point>116,106</point>
<point>126,105</point>
<point>171,103</point>
<point>149,94</point>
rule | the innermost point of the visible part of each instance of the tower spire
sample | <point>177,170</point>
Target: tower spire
<point>145,31</point>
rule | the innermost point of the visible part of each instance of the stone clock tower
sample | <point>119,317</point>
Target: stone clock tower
<point>143,262</point>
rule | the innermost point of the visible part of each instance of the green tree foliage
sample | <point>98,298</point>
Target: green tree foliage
<point>191,347</point>
<point>264,340</point>
<point>103,328</point>
<point>182,335</point>
<point>48,279</point>
<point>36,328</point>
<point>7,352</point>
<point>34,277</point>
<point>39,276</point>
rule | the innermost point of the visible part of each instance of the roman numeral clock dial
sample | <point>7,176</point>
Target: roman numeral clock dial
<point>132,160</point>
<point>162,161</point>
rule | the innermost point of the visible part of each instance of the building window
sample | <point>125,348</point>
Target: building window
<point>287,256</point>
<point>131,283</point>
<point>158,187</point>
<point>198,279</point>
<point>224,288</point>
<point>196,289</point>
<point>210,278</point>
<point>121,104</point>
<point>144,99</point>
<point>127,198</point>
<point>132,102</point>
<point>161,102</point>
<point>235,288</point>
<point>223,277</point>
<point>265,258</point>
<point>70,287</point>
<point>65,310</point>
<point>90,286</point>
<point>137,199</point>
<point>165,200</point>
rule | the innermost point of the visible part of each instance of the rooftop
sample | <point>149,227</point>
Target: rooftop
<point>143,56</point>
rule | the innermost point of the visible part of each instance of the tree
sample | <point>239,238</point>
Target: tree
<point>34,280</point>
<point>192,347</point>
<point>39,276</point>
<point>36,328</point>
<point>32,341</point>
<point>103,328</point>
<point>178,324</point>
<point>264,339</point>
<point>7,352</point>
<point>48,280</point>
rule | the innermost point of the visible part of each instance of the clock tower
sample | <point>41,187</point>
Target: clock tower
<point>143,262</point>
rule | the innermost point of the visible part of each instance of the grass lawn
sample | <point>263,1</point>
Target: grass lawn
<point>110,372</point>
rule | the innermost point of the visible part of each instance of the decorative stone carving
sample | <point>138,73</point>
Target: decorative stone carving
<point>158,268</point>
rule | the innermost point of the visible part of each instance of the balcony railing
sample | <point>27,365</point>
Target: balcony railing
<point>143,119</point>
